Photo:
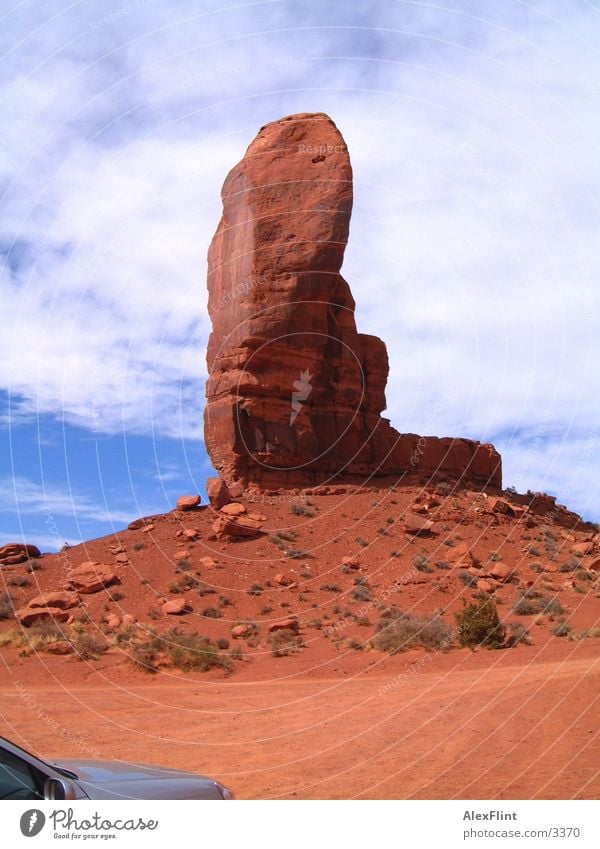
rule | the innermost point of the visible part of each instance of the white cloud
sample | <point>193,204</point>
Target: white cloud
<point>473,133</point>
<point>25,497</point>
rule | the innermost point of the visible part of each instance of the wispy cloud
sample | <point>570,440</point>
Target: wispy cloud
<point>25,497</point>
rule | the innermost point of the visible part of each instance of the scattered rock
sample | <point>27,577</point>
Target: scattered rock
<point>416,525</point>
<point>59,647</point>
<point>502,572</point>
<point>62,600</point>
<point>141,523</point>
<point>582,547</point>
<point>283,580</point>
<point>147,528</point>
<point>188,502</point>
<point>461,556</point>
<point>485,586</point>
<point>592,563</point>
<point>285,624</point>
<point>184,554</point>
<point>233,509</point>
<point>190,534</point>
<point>239,631</point>
<point>207,562</point>
<point>113,621</point>
<point>352,561</point>
<point>499,505</point>
<point>242,526</point>
<point>122,558</point>
<point>30,615</point>
<point>217,492</point>
<point>14,553</point>
<point>175,607</point>
<point>91,577</point>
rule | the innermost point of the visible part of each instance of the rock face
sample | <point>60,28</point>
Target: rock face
<point>295,393</point>
<point>16,552</point>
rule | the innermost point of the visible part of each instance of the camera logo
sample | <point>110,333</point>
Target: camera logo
<point>32,822</point>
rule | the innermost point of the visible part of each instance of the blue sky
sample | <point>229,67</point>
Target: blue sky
<point>473,130</point>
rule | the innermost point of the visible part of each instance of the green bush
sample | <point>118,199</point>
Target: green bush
<point>479,624</point>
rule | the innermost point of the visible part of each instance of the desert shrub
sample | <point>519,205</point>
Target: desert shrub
<point>360,593</point>
<point>330,588</point>
<point>398,631</point>
<point>363,621</point>
<point>281,538</point>
<point>362,542</point>
<point>116,596</point>
<point>18,581</point>
<point>192,651</point>
<point>421,563</point>
<point>517,634</point>
<point>285,642</point>
<point>265,610</point>
<point>449,542</point>
<point>11,638</point>
<point>494,556</point>
<point>534,551</point>
<point>212,613</point>
<point>466,578</point>
<point>255,589</point>
<point>530,601</point>
<point>224,601</point>
<point>204,589</point>
<point>6,606</point>
<point>584,575</point>
<point>33,565</point>
<point>563,629</point>
<point>479,624</point>
<point>138,546</point>
<point>570,565</point>
<point>222,643</point>
<point>184,584</point>
<point>302,510</point>
<point>143,655</point>
<point>47,628</point>
<point>354,644</point>
<point>298,554</point>
<point>153,614</point>
<point>442,564</point>
<point>395,553</point>
<point>89,646</point>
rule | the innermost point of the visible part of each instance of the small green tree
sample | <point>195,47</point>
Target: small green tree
<point>479,624</point>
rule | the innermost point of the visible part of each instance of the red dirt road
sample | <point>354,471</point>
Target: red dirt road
<point>517,724</point>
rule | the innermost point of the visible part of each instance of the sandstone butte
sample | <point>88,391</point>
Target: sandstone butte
<point>295,394</point>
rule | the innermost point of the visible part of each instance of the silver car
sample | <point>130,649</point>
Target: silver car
<point>23,776</point>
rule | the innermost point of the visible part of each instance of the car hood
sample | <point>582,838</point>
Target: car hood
<point>124,780</point>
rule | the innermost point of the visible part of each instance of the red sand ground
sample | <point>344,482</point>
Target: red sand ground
<point>331,721</point>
